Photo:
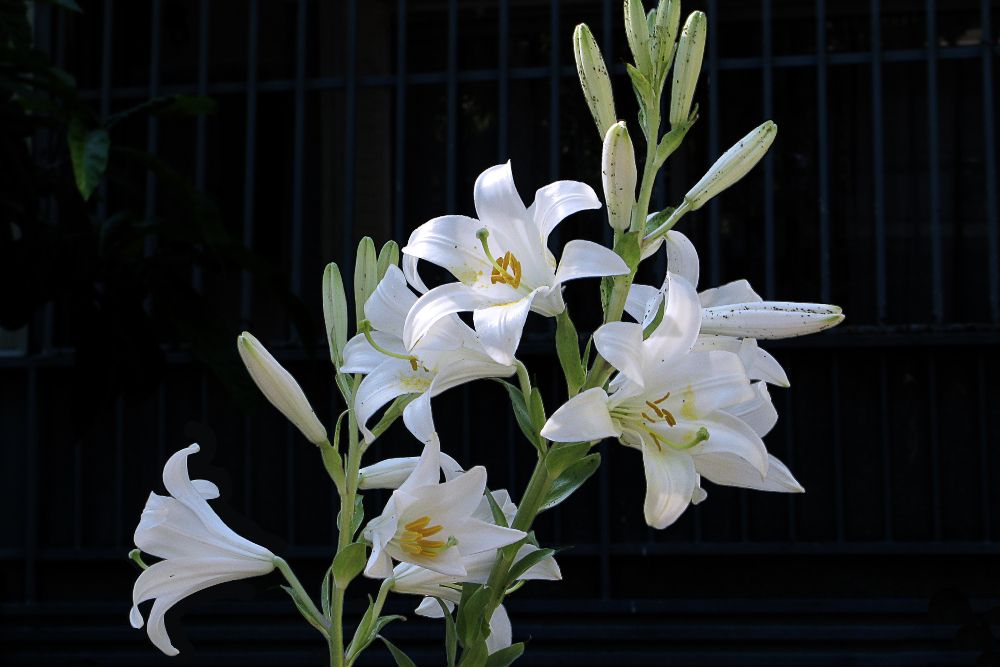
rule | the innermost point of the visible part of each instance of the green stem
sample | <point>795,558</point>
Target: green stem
<point>317,616</point>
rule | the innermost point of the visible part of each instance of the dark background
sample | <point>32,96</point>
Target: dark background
<point>335,120</point>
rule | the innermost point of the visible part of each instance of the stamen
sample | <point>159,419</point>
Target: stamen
<point>501,269</point>
<point>365,327</point>
<point>413,538</point>
<point>660,400</point>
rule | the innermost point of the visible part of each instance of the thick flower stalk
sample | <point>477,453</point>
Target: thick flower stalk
<point>450,355</point>
<point>502,262</point>
<point>197,548</point>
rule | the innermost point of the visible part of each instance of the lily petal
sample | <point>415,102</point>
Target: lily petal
<point>582,418</point>
<point>500,326</point>
<point>450,242</point>
<point>641,300</point>
<point>500,631</point>
<point>731,436</point>
<point>361,357</point>
<point>392,378</point>
<point>700,383</point>
<point>678,331</point>
<point>559,200</point>
<point>620,343</point>
<point>388,305</point>
<point>437,303</point>
<point>682,258</point>
<point>586,259</point>
<point>759,412</point>
<point>770,319</point>
<point>730,470</point>
<point>738,291</point>
<point>479,536</point>
<point>670,483</point>
<point>412,273</point>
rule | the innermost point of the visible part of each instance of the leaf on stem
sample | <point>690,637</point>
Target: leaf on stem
<point>568,350</point>
<point>518,569</point>
<point>522,415</point>
<point>450,633</point>
<point>402,660</point>
<point>570,480</point>
<point>349,563</point>
<point>88,150</point>
<point>505,656</point>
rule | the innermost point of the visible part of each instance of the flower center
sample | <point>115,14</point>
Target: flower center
<point>413,539</point>
<point>662,414</point>
<point>646,421</point>
<point>507,270</point>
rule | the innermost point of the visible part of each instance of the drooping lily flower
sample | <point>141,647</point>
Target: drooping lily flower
<point>197,548</point>
<point>502,261</point>
<point>733,315</point>
<point>434,524</point>
<point>675,405</point>
<point>450,355</point>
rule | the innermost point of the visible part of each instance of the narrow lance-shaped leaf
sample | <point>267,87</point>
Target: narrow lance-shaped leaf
<point>505,656</point>
<point>571,479</point>
<point>88,150</point>
<point>402,660</point>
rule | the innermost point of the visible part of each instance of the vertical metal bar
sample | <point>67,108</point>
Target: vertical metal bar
<point>503,72</point>
<point>153,123</point>
<point>201,125</point>
<point>838,449</point>
<point>990,160</point>
<point>823,158</point>
<point>399,186</point>
<point>714,220</point>
<point>290,486</point>
<point>30,486</point>
<point>788,414</point>
<point>554,121</point>
<point>105,92</point>
<point>350,122</point>
<point>451,161</point>
<point>246,303</point>
<point>767,40</point>
<point>886,435</point>
<point>878,164</point>
<point>118,520</point>
<point>984,447</point>
<point>933,164</point>
<point>298,146</point>
<point>933,427</point>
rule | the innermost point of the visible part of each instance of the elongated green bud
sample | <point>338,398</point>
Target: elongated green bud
<point>637,32</point>
<point>687,69</point>
<point>280,388</point>
<point>618,171</point>
<point>335,312</point>
<point>733,165</point>
<point>594,78</point>
<point>365,276</point>
<point>668,21</point>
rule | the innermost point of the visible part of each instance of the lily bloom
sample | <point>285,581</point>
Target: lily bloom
<point>502,261</point>
<point>675,405</point>
<point>432,524</point>
<point>450,355</point>
<point>197,548</point>
<point>733,315</point>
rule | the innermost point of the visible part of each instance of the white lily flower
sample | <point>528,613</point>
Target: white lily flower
<point>197,548</point>
<point>506,270</point>
<point>391,473</point>
<point>450,355</point>
<point>734,315</point>
<point>674,404</point>
<point>434,524</point>
<point>280,388</point>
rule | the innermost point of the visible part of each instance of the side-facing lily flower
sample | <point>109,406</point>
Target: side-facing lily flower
<point>197,548</point>
<point>673,404</point>
<point>450,355</point>
<point>434,524</point>
<point>502,260</point>
<point>733,315</point>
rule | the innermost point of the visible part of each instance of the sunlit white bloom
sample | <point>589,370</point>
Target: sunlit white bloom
<point>733,315</point>
<point>434,524</point>
<point>449,355</point>
<point>674,404</point>
<point>280,388</point>
<point>197,548</point>
<point>502,261</point>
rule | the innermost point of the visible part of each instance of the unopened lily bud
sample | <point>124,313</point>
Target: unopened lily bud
<point>687,69</point>
<point>280,388</point>
<point>668,20</point>
<point>733,165</point>
<point>594,78</point>
<point>335,312</point>
<point>619,175</point>
<point>391,473</point>
<point>365,275</point>
<point>637,32</point>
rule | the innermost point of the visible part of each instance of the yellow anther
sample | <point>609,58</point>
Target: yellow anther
<point>413,538</point>
<point>507,270</point>
<point>663,398</point>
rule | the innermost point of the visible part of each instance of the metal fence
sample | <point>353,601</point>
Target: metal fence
<point>341,119</point>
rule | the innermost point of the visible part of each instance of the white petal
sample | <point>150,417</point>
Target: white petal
<point>379,565</point>
<point>730,470</point>
<point>758,413</point>
<point>500,327</point>
<point>582,418</point>
<point>545,570</point>
<point>168,529</point>
<point>361,357</point>
<point>758,363</point>
<point>620,343</point>
<point>450,242</point>
<point>392,378</point>
<point>500,631</point>
<point>412,273</point>
<point>206,489</point>
<point>700,383</point>
<point>767,368</point>
<point>497,200</point>
<point>731,436</point>
<point>738,291</point>
<point>391,473</point>
<point>429,608</point>
<point>682,258</point>
<point>670,483</point>
<point>475,536</point>
<point>770,319</point>
<point>640,299</point>
<point>428,468</point>
<point>559,200</point>
<point>419,419</point>
<point>650,250</point>
<point>678,331</point>
<point>437,303</point>
<point>388,305</point>
<point>586,259</point>
<point>451,502</point>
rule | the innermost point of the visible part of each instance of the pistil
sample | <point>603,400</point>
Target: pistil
<point>365,327</point>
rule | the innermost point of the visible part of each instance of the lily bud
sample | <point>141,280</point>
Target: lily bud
<point>594,78</point>
<point>391,473</point>
<point>365,276</point>
<point>280,388</point>
<point>637,32</point>
<point>335,312</point>
<point>668,20</point>
<point>733,165</point>
<point>687,69</point>
<point>619,175</point>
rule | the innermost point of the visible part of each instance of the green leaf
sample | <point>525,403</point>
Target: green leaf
<point>324,595</point>
<point>495,509</point>
<point>570,480</point>
<point>365,276</point>
<point>389,255</point>
<point>88,151</point>
<point>568,350</point>
<point>304,609</point>
<point>471,623</point>
<point>643,89</point>
<point>505,656</point>
<point>657,219</point>
<point>393,413</point>
<point>651,327</point>
<point>335,312</point>
<point>475,655</point>
<point>522,415</point>
<point>536,410</point>
<point>562,455</point>
<point>359,515</point>
<point>672,140</point>
<point>349,563</point>
<point>518,569</point>
<point>629,248</point>
<point>607,286</point>
<point>450,633</point>
<point>402,660</point>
